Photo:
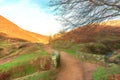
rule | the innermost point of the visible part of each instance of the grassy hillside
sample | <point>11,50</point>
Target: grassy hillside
<point>92,33</point>
<point>11,30</point>
<point>22,60</point>
<point>101,35</point>
<point>94,39</point>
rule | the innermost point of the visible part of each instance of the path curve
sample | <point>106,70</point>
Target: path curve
<point>72,69</point>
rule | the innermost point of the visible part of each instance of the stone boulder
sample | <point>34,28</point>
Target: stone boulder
<point>55,58</point>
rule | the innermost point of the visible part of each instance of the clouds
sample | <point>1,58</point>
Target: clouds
<point>30,16</point>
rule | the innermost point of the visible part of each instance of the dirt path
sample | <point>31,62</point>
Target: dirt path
<point>72,69</point>
<point>88,69</point>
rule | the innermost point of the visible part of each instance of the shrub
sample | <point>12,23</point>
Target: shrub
<point>97,48</point>
<point>100,73</point>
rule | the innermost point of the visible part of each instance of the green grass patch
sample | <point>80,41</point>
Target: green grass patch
<point>21,60</point>
<point>102,73</point>
<point>44,75</point>
<point>70,51</point>
<point>22,70</point>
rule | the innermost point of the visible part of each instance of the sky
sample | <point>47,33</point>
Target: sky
<point>32,15</point>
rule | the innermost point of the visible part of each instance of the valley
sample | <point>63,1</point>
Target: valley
<point>83,53</point>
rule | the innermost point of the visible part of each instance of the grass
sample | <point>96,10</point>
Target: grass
<point>44,75</point>
<point>114,70</point>
<point>25,64</point>
<point>70,51</point>
<point>20,60</point>
<point>102,73</point>
<point>22,70</point>
<point>101,44</point>
<point>99,74</point>
<point>67,46</point>
<point>26,60</point>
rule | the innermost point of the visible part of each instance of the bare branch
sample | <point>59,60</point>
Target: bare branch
<point>81,12</point>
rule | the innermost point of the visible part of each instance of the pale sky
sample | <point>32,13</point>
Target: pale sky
<point>32,15</point>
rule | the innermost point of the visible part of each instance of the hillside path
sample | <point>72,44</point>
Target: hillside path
<point>72,69</point>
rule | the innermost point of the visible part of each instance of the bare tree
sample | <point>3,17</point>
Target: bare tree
<point>74,13</point>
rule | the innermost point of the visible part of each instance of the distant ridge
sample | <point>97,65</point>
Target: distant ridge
<point>11,30</point>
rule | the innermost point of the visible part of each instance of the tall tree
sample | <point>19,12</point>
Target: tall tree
<point>74,13</point>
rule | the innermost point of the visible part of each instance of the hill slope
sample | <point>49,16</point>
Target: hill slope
<point>91,33</point>
<point>94,38</point>
<point>22,60</point>
<point>9,29</point>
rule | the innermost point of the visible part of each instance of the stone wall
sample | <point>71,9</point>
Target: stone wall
<point>91,57</point>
